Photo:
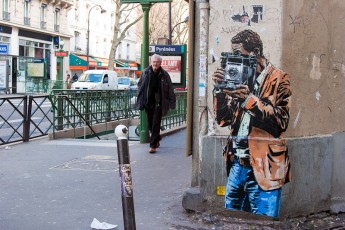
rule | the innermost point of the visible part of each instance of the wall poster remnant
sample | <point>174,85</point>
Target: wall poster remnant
<point>252,98</point>
<point>244,17</point>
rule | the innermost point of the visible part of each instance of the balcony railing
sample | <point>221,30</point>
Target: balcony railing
<point>43,25</point>
<point>6,15</point>
<point>26,21</point>
<point>56,28</point>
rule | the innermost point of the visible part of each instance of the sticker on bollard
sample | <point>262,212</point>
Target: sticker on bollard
<point>126,180</point>
<point>121,132</point>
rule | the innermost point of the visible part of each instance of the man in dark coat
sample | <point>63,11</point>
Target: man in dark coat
<point>156,95</point>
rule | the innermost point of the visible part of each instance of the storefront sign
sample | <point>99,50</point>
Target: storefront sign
<point>61,53</point>
<point>3,49</point>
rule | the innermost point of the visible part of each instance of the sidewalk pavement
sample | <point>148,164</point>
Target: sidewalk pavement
<point>66,183</point>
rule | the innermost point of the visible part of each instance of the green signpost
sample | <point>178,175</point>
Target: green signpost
<point>145,4</point>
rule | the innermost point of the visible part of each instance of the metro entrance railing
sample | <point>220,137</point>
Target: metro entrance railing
<point>79,108</point>
<point>23,117</point>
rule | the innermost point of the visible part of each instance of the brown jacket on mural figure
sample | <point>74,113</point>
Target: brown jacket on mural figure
<point>266,143</point>
<point>253,98</point>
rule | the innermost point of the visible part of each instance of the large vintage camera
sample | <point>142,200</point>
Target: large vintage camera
<point>238,69</point>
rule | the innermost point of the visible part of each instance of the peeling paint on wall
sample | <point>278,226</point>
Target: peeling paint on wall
<point>315,72</point>
<point>297,118</point>
<point>317,95</point>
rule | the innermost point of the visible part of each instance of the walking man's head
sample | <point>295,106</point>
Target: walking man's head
<point>156,61</point>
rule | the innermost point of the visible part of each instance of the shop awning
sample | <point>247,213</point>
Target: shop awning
<point>76,62</point>
<point>79,62</point>
<point>126,65</point>
<point>101,61</point>
<point>119,63</point>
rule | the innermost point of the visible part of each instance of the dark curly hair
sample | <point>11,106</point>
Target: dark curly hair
<point>251,41</point>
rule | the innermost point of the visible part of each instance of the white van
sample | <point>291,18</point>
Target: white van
<point>96,79</point>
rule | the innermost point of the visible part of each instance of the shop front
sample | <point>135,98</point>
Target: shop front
<point>127,69</point>
<point>78,64</point>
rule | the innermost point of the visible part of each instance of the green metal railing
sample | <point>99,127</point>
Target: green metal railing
<point>80,108</point>
<point>176,117</point>
<point>37,85</point>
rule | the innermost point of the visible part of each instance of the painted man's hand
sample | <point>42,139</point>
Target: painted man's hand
<point>218,75</point>
<point>240,94</point>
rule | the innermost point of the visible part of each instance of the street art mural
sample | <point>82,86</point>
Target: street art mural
<point>251,98</point>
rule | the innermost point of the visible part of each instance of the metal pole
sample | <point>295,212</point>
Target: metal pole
<point>88,33</point>
<point>170,30</point>
<point>88,38</point>
<point>144,133</point>
<point>60,80</point>
<point>60,112</point>
<point>121,132</point>
<point>27,116</point>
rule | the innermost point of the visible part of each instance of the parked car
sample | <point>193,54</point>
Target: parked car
<point>126,83</point>
<point>97,79</point>
<point>133,85</point>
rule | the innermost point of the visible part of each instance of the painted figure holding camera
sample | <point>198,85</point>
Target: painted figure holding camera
<point>253,98</point>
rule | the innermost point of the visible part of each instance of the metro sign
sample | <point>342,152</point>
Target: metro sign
<point>61,53</point>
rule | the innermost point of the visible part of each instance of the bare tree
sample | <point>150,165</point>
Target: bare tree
<point>123,22</point>
<point>179,13</point>
<point>159,18</point>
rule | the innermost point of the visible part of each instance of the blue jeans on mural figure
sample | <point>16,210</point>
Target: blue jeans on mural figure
<point>243,193</point>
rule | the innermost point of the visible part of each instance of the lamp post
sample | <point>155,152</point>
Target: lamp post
<point>171,31</point>
<point>60,78</point>
<point>88,32</point>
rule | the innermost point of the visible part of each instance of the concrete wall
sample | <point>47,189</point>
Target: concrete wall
<point>314,54</point>
<point>317,176</point>
<point>338,182</point>
<point>305,39</point>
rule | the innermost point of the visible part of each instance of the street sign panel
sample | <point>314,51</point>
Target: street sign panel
<point>167,48</point>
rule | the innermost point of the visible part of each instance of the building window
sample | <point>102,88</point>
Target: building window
<point>128,51</point>
<point>112,21</point>
<point>119,50</point>
<point>34,49</point>
<point>57,20</point>
<point>76,14</point>
<point>26,12</point>
<point>6,10</point>
<point>76,40</point>
<point>43,16</point>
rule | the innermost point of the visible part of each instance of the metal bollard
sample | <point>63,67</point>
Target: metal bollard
<point>121,132</point>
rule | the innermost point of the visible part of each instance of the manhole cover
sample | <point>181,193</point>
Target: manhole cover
<point>89,165</point>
